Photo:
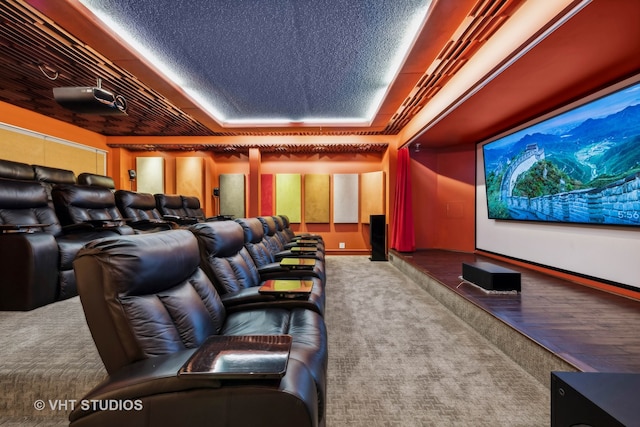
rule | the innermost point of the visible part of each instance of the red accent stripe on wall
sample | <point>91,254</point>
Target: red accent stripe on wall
<point>266,194</point>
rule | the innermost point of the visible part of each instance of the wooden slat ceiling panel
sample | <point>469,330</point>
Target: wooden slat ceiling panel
<point>482,21</point>
<point>29,40</point>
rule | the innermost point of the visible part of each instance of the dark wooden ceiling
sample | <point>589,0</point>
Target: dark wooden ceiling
<point>46,44</point>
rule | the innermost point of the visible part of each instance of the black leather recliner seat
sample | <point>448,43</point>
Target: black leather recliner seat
<point>290,239</point>
<point>36,261</point>
<point>229,266</point>
<point>172,209</point>
<point>286,241</point>
<point>149,306</point>
<point>276,245</point>
<point>192,208</point>
<point>256,245</point>
<point>141,211</point>
<point>85,206</point>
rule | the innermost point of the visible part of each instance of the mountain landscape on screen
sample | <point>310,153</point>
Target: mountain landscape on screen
<point>581,166</point>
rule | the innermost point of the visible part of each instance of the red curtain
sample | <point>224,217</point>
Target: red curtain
<point>402,231</point>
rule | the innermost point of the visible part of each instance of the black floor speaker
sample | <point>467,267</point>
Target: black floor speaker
<point>491,276</point>
<point>378,237</point>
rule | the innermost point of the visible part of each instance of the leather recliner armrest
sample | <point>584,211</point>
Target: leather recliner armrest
<point>29,265</point>
<point>290,254</point>
<point>152,224</point>
<point>296,244</point>
<point>244,297</point>
<point>274,271</point>
<point>180,219</point>
<point>251,298</point>
<point>155,395</point>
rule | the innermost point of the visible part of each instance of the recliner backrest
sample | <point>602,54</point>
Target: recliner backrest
<point>137,206</point>
<point>270,233</point>
<point>191,205</point>
<point>286,225</point>
<point>255,242</point>
<point>49,177</point>
<point>93,179</point>
<point>16,170</point>
<point>145,295</point>
<point>280,229</point>
<point>76,204</point>
<point>223,256</point>
<point>170,204</point>
<point>26,203</point>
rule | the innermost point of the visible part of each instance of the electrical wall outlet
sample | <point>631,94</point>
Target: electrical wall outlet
<point>342,245</point>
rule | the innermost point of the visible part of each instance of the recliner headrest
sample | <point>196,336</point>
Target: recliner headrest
<point>252,228</point>
<point>279,222</point>
<point>269,225</point>
<point>145,264</point>
<point>16,194</point>
<point>219,238</point>
<point>16,170</point>
<point>96,180</point>
<point>131,199</point>
<point>172,201</point>
<point>84,195</point>
<point>54,175</point>
<point>190,202</point>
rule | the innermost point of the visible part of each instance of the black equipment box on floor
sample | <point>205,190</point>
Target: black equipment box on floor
<point>594,399</point>
<point>491,276</point>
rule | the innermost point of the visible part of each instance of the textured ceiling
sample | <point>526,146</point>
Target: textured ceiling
<point>286,60</point>
<point>320,65</point>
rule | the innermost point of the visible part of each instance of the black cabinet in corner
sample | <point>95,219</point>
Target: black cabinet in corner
<point>378,237</point>
<point>594,399</point>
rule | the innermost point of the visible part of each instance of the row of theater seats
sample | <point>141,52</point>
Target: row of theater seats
<point>48,214</point>
<point>154,300</point>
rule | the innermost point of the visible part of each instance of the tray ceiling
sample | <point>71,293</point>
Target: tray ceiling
<point>267,68</point>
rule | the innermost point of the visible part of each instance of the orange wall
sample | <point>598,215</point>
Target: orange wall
<point>443,187</point>
<point>123,160</point>
<point>442,180</point>
<point>355,236</point>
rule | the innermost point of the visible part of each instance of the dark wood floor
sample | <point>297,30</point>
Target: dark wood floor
<point>592,329</point>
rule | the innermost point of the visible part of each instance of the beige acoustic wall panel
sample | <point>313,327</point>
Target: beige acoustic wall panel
<point>150,175</point>
<point>316,198</point>
<point>232,195</point>
<point>189,177</point>
<point>21,145</point>
<point>372,195</point>
<point>289,196</point>
<point>66,156</point>
<point>345,198</point>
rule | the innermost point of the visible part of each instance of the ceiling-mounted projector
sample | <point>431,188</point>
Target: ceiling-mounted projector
<point>90,100</point>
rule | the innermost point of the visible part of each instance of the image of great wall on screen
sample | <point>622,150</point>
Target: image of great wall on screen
<point>582,166</point>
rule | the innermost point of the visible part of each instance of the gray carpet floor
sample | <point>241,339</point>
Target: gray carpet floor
<point>397,357</point>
